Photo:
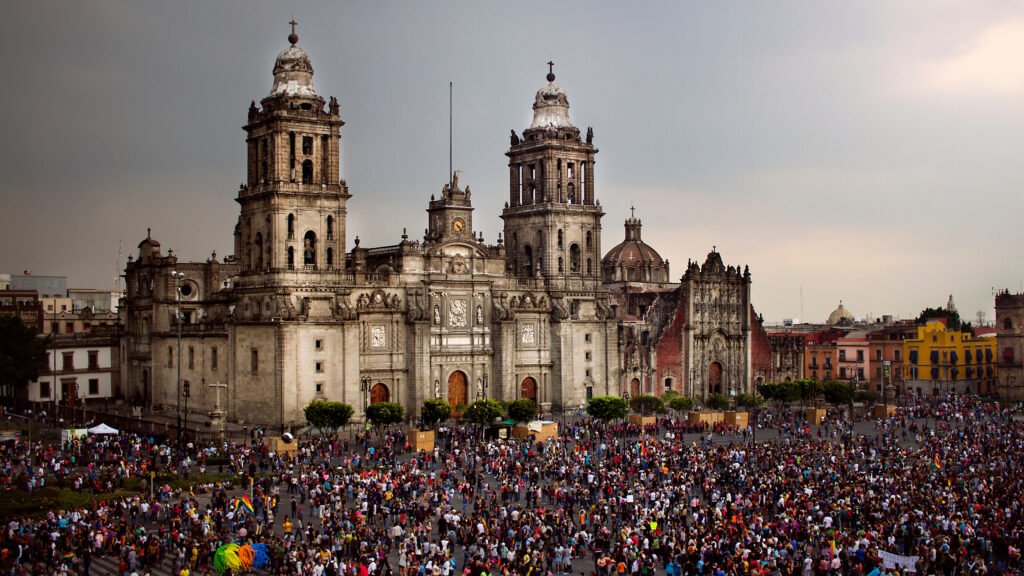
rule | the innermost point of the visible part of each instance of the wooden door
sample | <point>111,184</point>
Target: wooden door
<point>715,378</point>
<point>457,391</point>
<point>528,389</point>
<point>379,393</point>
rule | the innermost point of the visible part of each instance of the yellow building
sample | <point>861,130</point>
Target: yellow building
<point>940,361</point>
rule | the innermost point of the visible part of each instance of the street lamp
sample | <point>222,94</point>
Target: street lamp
<point>178,276</point>
<point>366,393</point>
<point>186,392</point>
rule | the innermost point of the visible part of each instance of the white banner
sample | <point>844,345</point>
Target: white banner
<point>890,560</point>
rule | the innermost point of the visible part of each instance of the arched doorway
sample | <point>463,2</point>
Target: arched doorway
<point>457,391</point>
<point>379,393</point>
<point>715,378</point>
<point>634,387</point>
<point>528,389</point>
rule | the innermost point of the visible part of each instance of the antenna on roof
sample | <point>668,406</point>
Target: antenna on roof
<point>451,174</point>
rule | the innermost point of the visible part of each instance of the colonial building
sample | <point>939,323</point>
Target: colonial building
<point>296,314</point>
<point>1010,345</point>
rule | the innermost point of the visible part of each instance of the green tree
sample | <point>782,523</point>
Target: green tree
<point>385,413</point>
<point>435,411</point>
<point>717,402</point>
<point>749,400</point>
<point>952,317</point>
<point>607,407</point>
<point>484,411</point>
<point>522,410</point>
<point>681,404</point>
<point>865,396</point>
<point>837,393</point>
<point>646,404</point>
<point>327,416</point>
<point>807,390</point>
<point>22,356</point>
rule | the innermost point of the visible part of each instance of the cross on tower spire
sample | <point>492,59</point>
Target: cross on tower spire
<point>293,37</point>
<point>632,212</point>
<point>551,71</point>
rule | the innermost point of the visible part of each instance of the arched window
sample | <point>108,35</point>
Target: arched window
<point>590,240</point>
<point>291,226</point>
<point>1008,324</point>
<point>572,193</point>
<point>574,258</point>
<point>330,258</point>
<point>330,227</point>
<point>590,270</point>
<point>307,172</point>
<point>528,260</point>
<point>559,239</point>
<point>561,267</point>
<point>309,249</point>
<point>259,251</point>
<point>291,258</point>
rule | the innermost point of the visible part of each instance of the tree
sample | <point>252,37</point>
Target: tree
<point>607,407</point>
<point>22,356</point>
<point>681,404</point>
<point>952,317</point>
<point>749,400</point>
<point>717,402</point>
<point>646,404</point>
<point>865,396</point>
<point>522,410</point>
<point>837,393</point>
<point>484,411</point>
<point>327,416</point>
<point>435,411</point>
<point>807,390</point>
<point>385,413</point>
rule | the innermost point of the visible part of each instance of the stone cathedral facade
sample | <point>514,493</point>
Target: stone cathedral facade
<point>298,313</point>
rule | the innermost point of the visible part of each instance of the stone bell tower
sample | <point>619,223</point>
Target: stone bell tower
<point>292,221</point>
<point>552,218</point>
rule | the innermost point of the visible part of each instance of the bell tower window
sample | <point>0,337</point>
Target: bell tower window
<point>307,145</point>
<point>330,258</point>
<point>307,172</point>
<point>330,227</point>
<point>574,259</point>
<point>291,156</point>
<point>291,258</point>
<point>291,226</point>
<point>528,260</point>
<point>309,250</point>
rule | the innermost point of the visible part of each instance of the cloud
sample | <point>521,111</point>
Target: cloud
<point>988,65</point>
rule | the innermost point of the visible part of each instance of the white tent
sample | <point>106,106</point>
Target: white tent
<point>103,429</point>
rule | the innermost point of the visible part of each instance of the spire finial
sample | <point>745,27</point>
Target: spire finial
<point>551,71</point>
<point>149,233</point>
<point>293,37</point>
<point>632,212</point>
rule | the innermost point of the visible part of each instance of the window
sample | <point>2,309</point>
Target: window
<point>330,227</point>
<point>588,373</point>
<point>330,258</point>
<point>291,226</point>
<point>587,337</point>
<point>68,361</point>
<point>561,265</point>
<point>309,249</point>
<point>69,327</point>
<point>170,357</point>
<point>307,145</point>
<point>254,361</point>
<point>94,360</point>
<point>860,355</point>
<point>842,355</point>
<point>319,344</point>
<point>191,357</point>
<point>307,172</point>
<point>574,259</point>
<point>559,238</point>
<point>44,389</point>
<point>291,258</point>
<point>213,359</point>
<point>1008,324</point>
<point>587,356</point>
<point>897,355</point>
<point>319,367</point>
<point>94,386</point>
<point>319,387</point>
<point>668,383</point>
<point>878,354</point>
<point>878,372</point>
<point>860,373</point>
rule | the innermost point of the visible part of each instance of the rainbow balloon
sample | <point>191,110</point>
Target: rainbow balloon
<point>226,558</point>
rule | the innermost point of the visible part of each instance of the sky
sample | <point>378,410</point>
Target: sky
<point>868,152</point>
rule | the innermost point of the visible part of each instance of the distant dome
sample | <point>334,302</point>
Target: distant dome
<point>293,72</point>
<point>551,106</point>
<point>839,315</point>
<point>633,260</point>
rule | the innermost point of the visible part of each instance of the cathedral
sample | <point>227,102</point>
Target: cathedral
<point>298,314</point>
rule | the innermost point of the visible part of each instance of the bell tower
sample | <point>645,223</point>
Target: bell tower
<point>552,217</point>
<point>292,220</point>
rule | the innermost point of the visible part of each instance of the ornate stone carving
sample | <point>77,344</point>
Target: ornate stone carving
<point>457,314</point>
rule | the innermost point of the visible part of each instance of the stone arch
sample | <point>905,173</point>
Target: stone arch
<point>458,390</point>
<point>634,387</point>
<point>309,249</point>
<point>379,393</point>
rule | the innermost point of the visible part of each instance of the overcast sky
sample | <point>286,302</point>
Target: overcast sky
<point>863,152</point>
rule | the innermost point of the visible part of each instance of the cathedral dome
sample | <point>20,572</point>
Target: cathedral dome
<point>633,260</point>
<point>551,106</point>
<point>293,71</point>
<point>840,315</point>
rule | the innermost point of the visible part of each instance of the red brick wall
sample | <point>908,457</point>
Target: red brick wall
<point>760,348</point>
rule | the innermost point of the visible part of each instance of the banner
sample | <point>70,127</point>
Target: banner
<point>889,560</point>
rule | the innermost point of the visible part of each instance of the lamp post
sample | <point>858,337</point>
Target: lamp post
<point>366,393</point>
<point>178,276</point>
<point>186,391</point>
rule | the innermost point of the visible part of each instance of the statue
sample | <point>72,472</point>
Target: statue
<point>307,250</point>
<point>479,315</point>
<point>334,106</point>
<point>514,139</point>
<point>437,314</point>
<point>590,135</point>
<point>252,109</point>
<point>468,193</point>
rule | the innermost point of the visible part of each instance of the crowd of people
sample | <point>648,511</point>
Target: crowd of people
<point>934,489</point>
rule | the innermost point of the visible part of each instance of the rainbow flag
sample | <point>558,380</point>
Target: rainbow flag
<point>123,469</point>
<point>244,502</point>
<point>938,465</point>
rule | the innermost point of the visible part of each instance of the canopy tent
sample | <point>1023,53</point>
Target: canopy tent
<point>103,429</point>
